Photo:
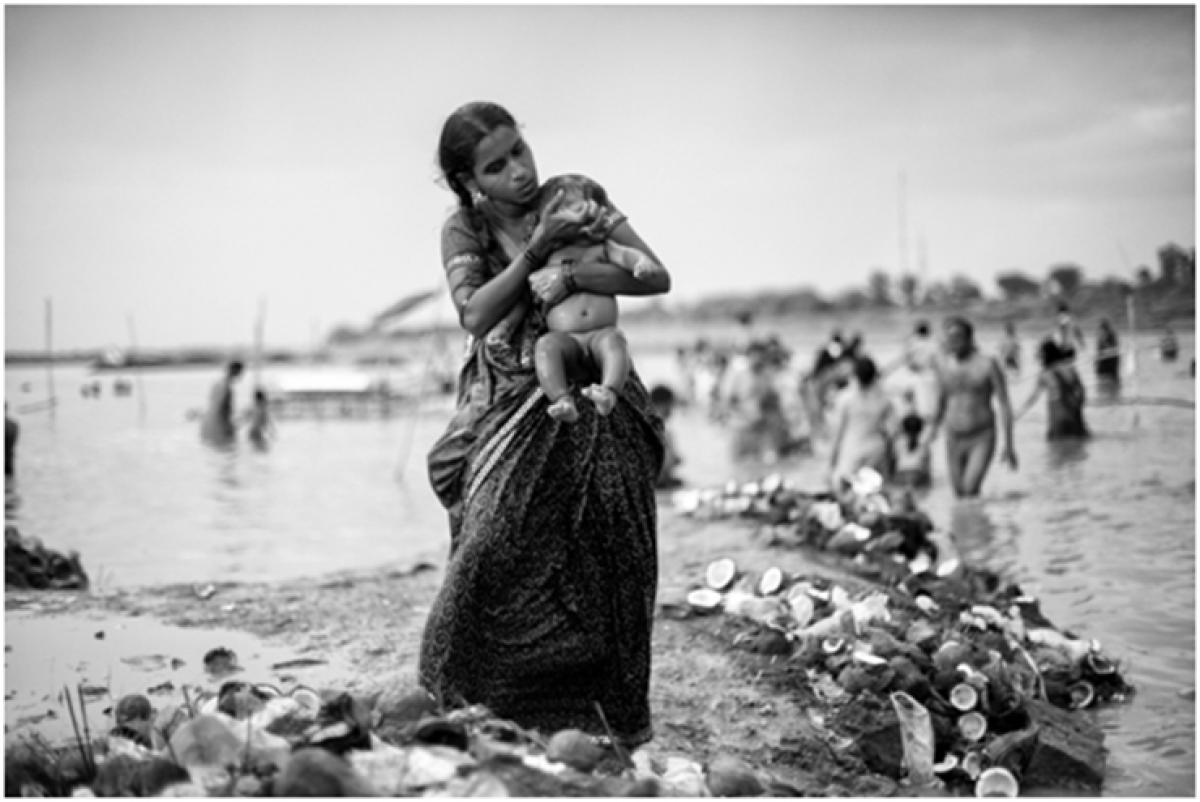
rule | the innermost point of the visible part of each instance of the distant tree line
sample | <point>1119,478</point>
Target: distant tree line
<point>1167,291</point>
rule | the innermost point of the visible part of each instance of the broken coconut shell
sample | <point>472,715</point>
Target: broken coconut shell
<point>997,781</point>
<point>946,764</point>
<point>964,697</point>
<point>973,725</point>
<point>972,764</point>
<point>771,581</point>
<point>721,573</point>
<point>705,600</point>
<point>1098,664</point>
<point>1083,693</point>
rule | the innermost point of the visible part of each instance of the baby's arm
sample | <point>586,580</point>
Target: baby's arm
<point>632,259</point>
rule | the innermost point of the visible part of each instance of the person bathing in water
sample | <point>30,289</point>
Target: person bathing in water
<point>968,381</point>
<point>583,339</point>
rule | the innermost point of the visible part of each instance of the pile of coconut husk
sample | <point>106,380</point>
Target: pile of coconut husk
<point>257,740</point>
<point>29,565</point>
<point>928,638</point>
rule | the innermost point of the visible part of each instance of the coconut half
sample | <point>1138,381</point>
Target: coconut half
<point>997,781</point>
<point>705,600</point>
<point>771,581</point>
<point>973,725</point>
<point>1083,693</point>
<point>964,697</point>
<point>833,645</point>
<point>946,764</point>
<point>721,573</point>
<point>972,764</point>
<point>1099,665</point>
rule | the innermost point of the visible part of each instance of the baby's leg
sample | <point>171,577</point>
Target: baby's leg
<point>551,355</point>
<point>610,351</point>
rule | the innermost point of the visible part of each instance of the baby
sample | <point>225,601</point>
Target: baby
<point>583,336</point>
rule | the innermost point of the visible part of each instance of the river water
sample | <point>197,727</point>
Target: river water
<point>1102,532</point>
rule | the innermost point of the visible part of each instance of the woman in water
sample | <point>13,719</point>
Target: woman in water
<point>547,604</point>
<point>1065,395</point>
<point>968,382</point>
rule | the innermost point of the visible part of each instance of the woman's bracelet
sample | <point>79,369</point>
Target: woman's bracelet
<point>533,258</point>
<point>568,277</point>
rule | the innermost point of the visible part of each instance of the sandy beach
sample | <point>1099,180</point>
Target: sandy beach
<point>715,690</point>
<point>360,631</point>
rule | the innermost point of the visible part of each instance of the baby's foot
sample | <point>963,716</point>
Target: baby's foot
<point>603,397</point>
<point>564,410</point>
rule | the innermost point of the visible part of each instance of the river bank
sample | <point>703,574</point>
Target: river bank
<point>713,691</point>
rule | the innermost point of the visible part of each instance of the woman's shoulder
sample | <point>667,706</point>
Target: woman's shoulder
<point>460,233</point>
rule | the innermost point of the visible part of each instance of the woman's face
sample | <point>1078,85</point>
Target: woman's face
<point>504,170</point>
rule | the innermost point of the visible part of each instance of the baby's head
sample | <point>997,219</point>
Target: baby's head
<point>577,191</point>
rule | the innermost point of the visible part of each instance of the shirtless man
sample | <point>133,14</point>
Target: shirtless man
<point>967,381</point>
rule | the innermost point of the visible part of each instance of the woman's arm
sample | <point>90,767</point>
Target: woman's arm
<point>1029,402</point>
<point>483,302</point>
<point>487,305</point>
<point>1007,453</point>
<point>553,284</point>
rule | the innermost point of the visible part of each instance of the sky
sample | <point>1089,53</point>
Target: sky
<point>170,171</point>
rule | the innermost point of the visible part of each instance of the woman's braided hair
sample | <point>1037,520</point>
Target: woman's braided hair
<point>462,132</point>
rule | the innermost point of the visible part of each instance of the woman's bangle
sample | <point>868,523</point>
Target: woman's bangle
<point>568,277</point>
<point>534,258</point>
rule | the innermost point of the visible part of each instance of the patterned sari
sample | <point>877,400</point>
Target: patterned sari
<point>547,604</point>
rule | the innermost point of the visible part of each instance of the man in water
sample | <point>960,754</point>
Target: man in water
<point>968,380</point>
<point>217,427</point>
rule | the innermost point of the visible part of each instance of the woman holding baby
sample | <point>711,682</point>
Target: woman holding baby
<point>547,604</point>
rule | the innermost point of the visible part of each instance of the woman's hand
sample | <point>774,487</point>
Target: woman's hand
<point>560,224</point>
<point>549,285</point>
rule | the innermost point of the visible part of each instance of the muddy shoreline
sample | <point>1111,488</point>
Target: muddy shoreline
<point>710,694</point>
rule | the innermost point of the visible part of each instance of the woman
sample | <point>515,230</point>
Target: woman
<point>862,426</point>
<point>968,382</point>
<point>547,603</point>
<point>1065,395</point>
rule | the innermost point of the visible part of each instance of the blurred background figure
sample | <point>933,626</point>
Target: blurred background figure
<point>663,400</point>
<point>861,426</point>
<point>1067,334</point>
<point>910,450</point>
<point>1065,395</point>
<point>1168,346</point>
<point>1108,359</point>
<point>260,428</point>
<point>217,426</point>
<point>1010,349</point>
<point>12,430</point>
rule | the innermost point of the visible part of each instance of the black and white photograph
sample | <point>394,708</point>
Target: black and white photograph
<point>600,400</point>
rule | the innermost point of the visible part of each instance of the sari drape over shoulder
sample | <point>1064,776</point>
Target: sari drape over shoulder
<point>547,602</point>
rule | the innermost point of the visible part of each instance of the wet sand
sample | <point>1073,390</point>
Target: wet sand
<point>360,631</point>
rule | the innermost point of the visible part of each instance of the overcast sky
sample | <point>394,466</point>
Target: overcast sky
<point>173,165</point>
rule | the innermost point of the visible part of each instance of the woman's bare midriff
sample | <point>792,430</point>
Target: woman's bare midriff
<point>583,311</point>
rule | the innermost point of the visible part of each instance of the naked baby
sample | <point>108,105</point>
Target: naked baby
<point>583,338</point>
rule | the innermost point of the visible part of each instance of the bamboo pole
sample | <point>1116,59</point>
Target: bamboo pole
<point>133,347</point>
<point>50,354</point>
<point>259,325</point>
<point>1131,315</point>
